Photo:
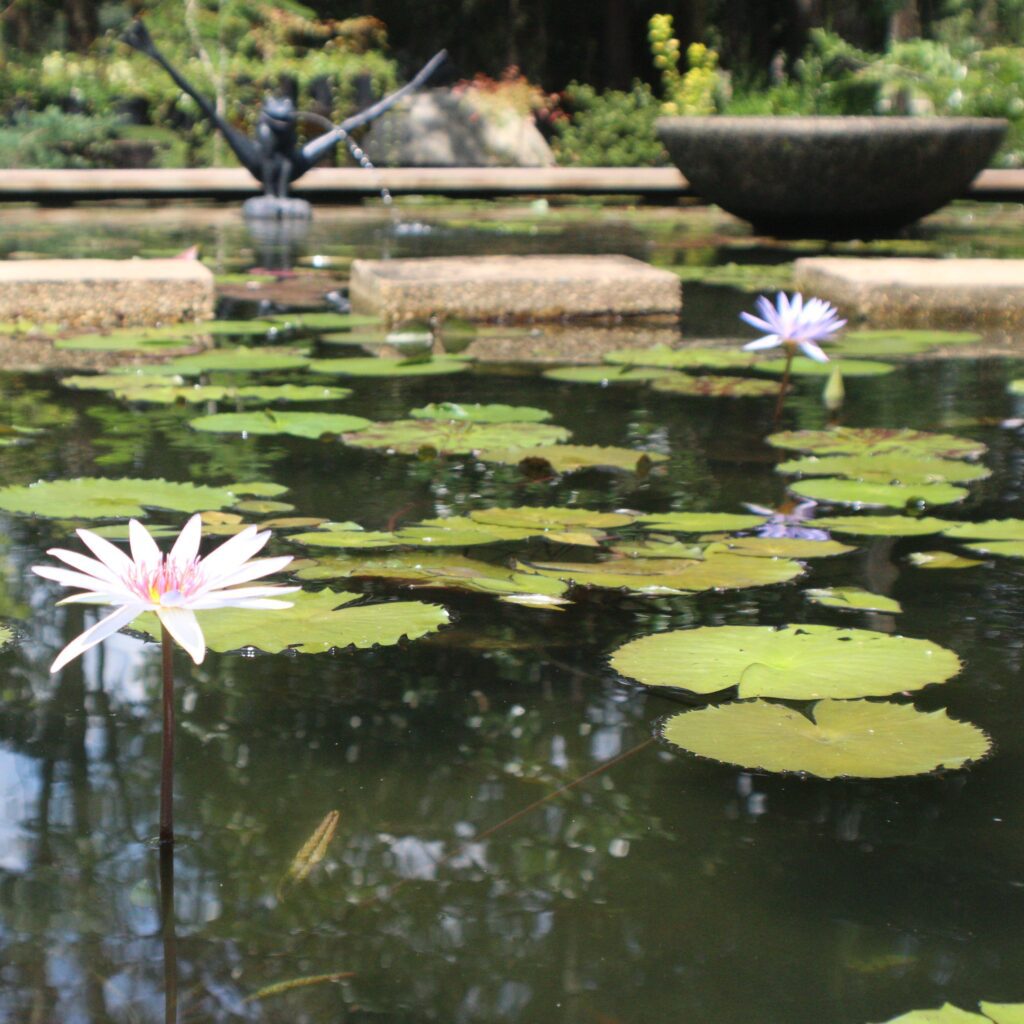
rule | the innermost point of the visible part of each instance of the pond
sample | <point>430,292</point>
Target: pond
<point>454,878</point>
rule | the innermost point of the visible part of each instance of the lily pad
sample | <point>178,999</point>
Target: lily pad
<point>940,560</point>
<point>314,624</point>
<point>882,526</point>
<point>945,1014</point>
<point>917,338</point>
<point>836,739</point>
<point>272,421</point>
<point>657,547</point>
<point>803,662</point>
<point>373,366</point>
<point>711,386</point>
<point>714,571</point>
<point>804,367</point>
<point>197,393</point>
<point>346,535</point>
<point>864,493</point>
<point>700,522</point>
<point>476,413</point>
<point>551,519</point>
<point>990,529</point>
<point>1002,548</point>
<point>854,599</point>
<point>605,375</point>
<point>127,381</point>
<point>431,569</point>
<point>890,467</point>
<point>680,358</point>
<point>877,441</point>
<point>454,438</point>
<point>568,458</point>
<point>238,360</point>
<point>858,348</point>
<point>784,547</point>
<point>325,321</point>
<point>96,498</point>
<point>461,531</point>
<point>129,340</point>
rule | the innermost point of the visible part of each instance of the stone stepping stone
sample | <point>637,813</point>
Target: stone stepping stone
<point>904,292</point>
<point>99,293</point>
<point>521,288</point>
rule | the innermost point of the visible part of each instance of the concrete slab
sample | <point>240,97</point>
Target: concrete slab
<point>918,292</point>
<point>105,292</point>
<point>515,288</point>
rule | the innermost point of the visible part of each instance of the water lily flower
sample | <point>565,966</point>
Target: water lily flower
<point>793,323</point>
<point>788,521</point>
<point>174,586</point>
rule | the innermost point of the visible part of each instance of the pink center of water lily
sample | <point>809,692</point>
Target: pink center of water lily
<point>168,583</point>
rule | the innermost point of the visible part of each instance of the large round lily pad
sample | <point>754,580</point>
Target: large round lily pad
<point>714,571</point>
<point>605,375</point>
<point>461,531</point>
<point>989,529</point>
<point>804,367</point>
<point>273,421</point>
<point>889,468</point>
<point>877,441</point>
<point>716,386</point>
<point>882,526</point>
<point>700,522</point>
<point>550,518</point>
<point>783,547</point>
<point>836,739</point>
<point>315,623</point>
<point>325,321</point>
<point>477,413</point>
<point>918,338</point>
<point>126,380</point>
<point>433,569</point>
<point>372,366</point>
<point>454,438</point>
<point>238,360</point>
<point>803,662</point>
<point>852,599</point>
<point>96,498</point>
<point>680,358</point>
<point>863,493</point>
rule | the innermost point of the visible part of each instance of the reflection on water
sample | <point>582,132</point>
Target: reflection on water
<point>661,889</point>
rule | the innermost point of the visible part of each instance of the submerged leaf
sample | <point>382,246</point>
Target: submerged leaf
<point>803,662</point>
<point>714,386</point>
<point>312,851</point>
<point>568,458</point>
<point>856,738</point>
<point>477,413</point>
<point>680,358</point>
<point>293,983</point>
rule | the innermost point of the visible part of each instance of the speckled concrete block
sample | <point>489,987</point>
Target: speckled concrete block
<point>105,292</point>
<point>515,288</point>
<point>918,292</point>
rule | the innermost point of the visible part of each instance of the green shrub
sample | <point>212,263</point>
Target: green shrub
<point>53,139</point>
<point>609,129</point>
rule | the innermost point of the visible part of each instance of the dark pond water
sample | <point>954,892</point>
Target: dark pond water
<point>665,888</point>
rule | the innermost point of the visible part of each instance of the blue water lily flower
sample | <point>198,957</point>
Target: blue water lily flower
<point>793,323</point>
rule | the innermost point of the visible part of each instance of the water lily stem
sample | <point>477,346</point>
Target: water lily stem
<point>167,760</point>
<point>168,934</point>
<point>783,387</point>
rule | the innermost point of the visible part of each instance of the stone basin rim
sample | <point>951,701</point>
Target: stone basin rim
<point>833,124</point>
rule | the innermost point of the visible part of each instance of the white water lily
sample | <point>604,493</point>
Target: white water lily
<point>174,586</point>
<point>793,323</point>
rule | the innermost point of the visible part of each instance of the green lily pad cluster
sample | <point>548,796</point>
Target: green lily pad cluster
<point>843,733</point>
<point>991,1013</point>
<point>903,469</point>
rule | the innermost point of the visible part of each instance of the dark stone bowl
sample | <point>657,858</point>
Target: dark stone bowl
<point>830,177</point>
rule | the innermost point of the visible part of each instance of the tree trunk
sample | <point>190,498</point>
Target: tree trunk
<point>83,24</point>
<point>905,23</point>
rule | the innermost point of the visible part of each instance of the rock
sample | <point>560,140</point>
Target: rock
<point>437,128</point>
<point>517,288</point>
<point>100,293</point>
<point>918,292</point>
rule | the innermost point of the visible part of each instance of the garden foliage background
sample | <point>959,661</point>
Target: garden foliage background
<point>594,76</point>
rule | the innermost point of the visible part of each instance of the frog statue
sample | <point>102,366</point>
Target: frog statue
<point>274,157</point>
